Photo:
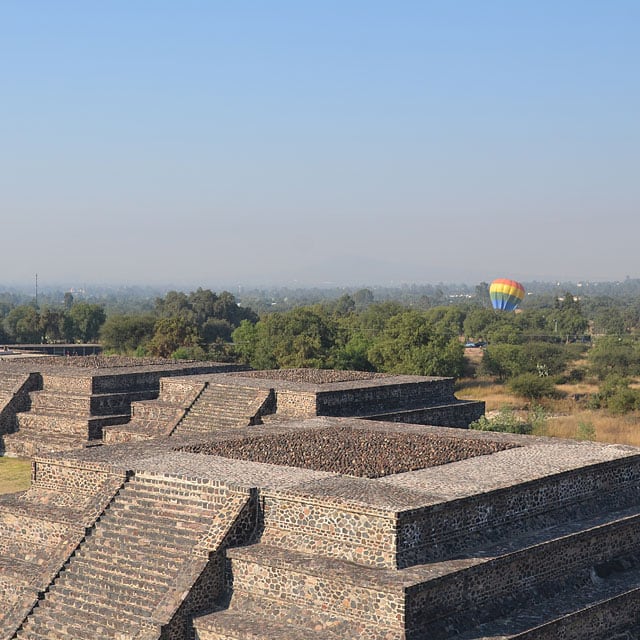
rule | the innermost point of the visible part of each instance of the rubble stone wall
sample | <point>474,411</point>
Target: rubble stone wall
<point>432,532</point>
<point>368,400</point>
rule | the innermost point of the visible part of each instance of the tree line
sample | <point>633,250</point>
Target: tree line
<point>546,343</point>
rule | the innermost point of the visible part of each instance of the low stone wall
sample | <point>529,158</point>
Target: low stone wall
<point>17,401</point>
<point>444,529</point>
<point>139,381</point>
<point>486,587</point>
<point>335,530</point>
<point>459,414</point>
<point>368,400</point>
<point>72,477</point>
<point>296,404</point>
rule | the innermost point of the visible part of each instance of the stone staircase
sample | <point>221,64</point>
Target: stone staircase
<point>157,418</point>
<point>221,406</point>
<point>40,528</point>
<point>145,565</point>
<point>67,413</point>
<point>558,557</point>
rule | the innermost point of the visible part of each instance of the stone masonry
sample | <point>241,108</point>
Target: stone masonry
<point>263,524</point>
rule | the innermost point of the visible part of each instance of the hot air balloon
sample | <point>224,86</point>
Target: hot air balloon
<point>505,294</point>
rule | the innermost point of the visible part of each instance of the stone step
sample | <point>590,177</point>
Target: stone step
<point>122,599</point>
<point>80,385</point>
<point>249,625</point>
<point>472,590</point>
<point>102,567</point>
<point>596,607</point>
<point>222,407</point>
<point>95,404</point>
<point>82,622</point>
<point>141,508</point>
<point>84,574</point>
<point>69,424</point>
<point>27,444</point>
<point>156,410</point>
<point>132,432</point>
<point>54,402</point>
<point>136,558</point>
<point>164,541</point>
<point>176,490</point>
<point>88,427</point>
<point>326,588</point>
<point>180,392</point>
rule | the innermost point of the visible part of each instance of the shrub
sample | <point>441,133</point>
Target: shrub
<point>506,421</point>
<point>532,386</point>
<point>585,430</point>
<point>615,395</point>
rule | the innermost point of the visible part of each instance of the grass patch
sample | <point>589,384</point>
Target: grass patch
<point>15,474</point>
<point>495,395</point>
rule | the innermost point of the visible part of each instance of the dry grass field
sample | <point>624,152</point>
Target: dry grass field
<point>566,417</point>
<point>15,474</point>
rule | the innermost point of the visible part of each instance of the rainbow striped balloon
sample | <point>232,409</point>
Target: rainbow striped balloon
<point>506,294</point>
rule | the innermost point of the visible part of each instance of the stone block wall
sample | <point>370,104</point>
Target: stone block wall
<point>384,398</point>
<point>484,590</point>
<point>296,404</point>
<point>459,414</point>
<point>338,530</point>
<point>16,398</point>
<point>433,532</point>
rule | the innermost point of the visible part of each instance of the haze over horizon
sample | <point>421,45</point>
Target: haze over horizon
<point>348,142</point>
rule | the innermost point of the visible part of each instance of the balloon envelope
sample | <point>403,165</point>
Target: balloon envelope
<point>506,294</point>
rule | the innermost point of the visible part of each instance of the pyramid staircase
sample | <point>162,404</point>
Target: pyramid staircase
<point>40,528</point>
<point>558,557</point>
<point>145,565</point>
<point>157,418</point>
<point>221,406</point>
<point>67,413</point>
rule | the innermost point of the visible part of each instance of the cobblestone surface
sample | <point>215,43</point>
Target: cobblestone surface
<point>368,454</point>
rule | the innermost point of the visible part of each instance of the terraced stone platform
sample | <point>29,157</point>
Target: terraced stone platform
<point>343,528</point>
<point>67,403</point>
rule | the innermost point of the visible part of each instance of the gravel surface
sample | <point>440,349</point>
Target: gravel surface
<point>362,453</point>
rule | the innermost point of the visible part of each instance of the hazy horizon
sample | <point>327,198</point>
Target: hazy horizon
<point>348,143</point>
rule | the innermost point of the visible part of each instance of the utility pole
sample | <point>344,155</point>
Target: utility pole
<point>36,290</point>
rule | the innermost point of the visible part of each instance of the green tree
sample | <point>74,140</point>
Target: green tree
<point>614,355</point>
<point>125,333</point>
<point>503,361</point>
<point>409,344</point>
<point>567,319</point>
<point>22,324</point>
<point>251,343</point>
<point>51,324</point>
<point>87,320</point>
<point>171,334</point>
<point>532,386</point>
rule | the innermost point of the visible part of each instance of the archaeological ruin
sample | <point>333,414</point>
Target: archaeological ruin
<point>179,501</point>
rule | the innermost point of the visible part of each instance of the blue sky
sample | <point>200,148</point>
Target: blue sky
<point>217,143</point>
